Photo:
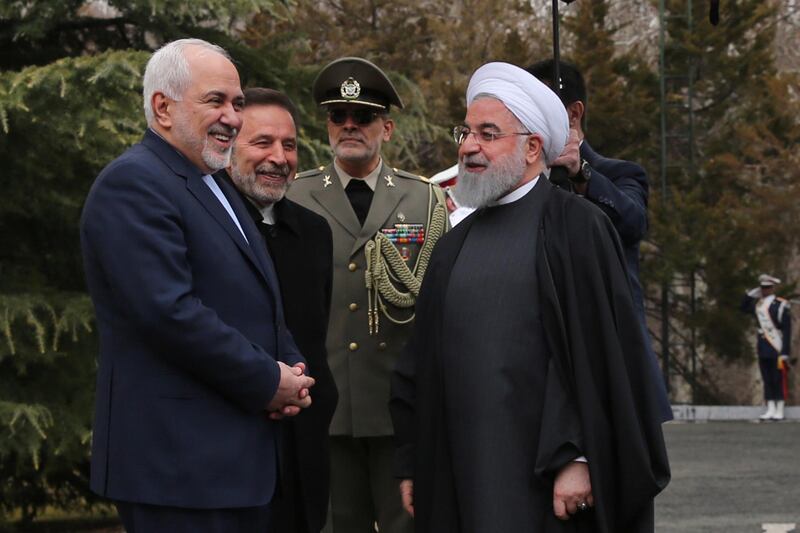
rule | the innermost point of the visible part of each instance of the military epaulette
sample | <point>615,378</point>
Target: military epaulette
<point>409,175</point>
<point>783,300</point>
<point>309,173</point>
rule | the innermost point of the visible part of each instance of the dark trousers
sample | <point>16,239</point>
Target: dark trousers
<point>772,378</point>
<point>363,489</point>
<point>145,518</point>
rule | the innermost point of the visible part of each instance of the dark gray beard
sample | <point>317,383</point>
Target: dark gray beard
<point>480,189</point>
<point>249,186</point>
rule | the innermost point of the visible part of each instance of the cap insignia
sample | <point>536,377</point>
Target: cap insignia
<point>350,89</point>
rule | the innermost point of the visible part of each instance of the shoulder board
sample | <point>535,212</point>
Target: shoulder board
<point>783,301</point>
<point>409,175</point>
<point>309,173</point>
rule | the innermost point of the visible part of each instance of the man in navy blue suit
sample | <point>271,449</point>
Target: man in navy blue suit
<point>618,187</point>
<point>196,364</point>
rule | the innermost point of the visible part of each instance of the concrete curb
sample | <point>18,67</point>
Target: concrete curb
<point>701,413</point>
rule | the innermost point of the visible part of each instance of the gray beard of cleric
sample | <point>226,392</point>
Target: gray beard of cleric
<point>478,190</point>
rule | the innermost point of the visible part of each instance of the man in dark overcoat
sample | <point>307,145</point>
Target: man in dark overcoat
<point>263,163</point>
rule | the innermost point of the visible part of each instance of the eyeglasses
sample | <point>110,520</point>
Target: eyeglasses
<point>460,134</point>
<point>361,117</point>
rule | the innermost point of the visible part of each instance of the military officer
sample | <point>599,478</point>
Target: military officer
<point>774,341</point>
<point>384,222</point>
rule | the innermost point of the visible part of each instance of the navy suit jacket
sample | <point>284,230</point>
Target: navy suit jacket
<point>620,189</point>
<point>191,325</point>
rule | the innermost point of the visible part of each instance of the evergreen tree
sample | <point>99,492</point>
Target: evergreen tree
<point>429,50</point>
<point>733,213</point>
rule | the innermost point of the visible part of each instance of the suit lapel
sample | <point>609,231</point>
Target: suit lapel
<point>201,191</point>
<point>286,215</point>
<point>257,247</point>
<point>333,199</point>
<point>384,201</point>
<point>253,251</point>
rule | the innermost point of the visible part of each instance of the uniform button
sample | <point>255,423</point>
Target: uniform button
<point>352,267</point>
<point>353,306</point>
<point>382,346</point>
<point>353,346</point>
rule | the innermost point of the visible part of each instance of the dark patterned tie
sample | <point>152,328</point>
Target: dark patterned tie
<point>360,196</point>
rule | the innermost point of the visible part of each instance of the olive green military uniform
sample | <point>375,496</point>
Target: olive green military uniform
<point>370,320</point>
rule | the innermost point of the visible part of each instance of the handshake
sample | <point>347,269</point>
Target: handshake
<point>292,394</point>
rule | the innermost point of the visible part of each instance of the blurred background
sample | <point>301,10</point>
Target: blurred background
<point>712,113</point>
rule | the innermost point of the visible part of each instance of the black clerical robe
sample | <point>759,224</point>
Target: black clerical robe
<point>497,373</point>
<point>585,304</point>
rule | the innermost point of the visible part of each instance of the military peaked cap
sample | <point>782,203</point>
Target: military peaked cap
<point>353,80</point>
<point>765,280</point>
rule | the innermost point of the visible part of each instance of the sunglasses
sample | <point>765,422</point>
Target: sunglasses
<point>360,117</point>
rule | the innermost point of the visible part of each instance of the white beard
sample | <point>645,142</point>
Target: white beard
<point>212,157</point>
<point>477,190</point>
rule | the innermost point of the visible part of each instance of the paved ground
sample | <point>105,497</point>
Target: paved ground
<point>731,477</point>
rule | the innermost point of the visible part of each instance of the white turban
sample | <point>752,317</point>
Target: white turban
<point>530,100</point>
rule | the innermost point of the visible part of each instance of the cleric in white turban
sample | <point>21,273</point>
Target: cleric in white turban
<point>523,402</point>
<point>534,104</point>
<point>536,115</point>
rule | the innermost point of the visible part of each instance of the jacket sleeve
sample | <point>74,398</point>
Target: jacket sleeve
<point>291,353</point>
<point>749,300</point>
<point>133,232</point>
<point>620,189</point>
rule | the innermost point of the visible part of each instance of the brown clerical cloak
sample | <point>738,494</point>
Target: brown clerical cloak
<point>597,349</point>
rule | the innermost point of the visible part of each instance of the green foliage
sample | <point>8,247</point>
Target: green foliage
<point>70,102</point>
<point>46,378</point>
<point>428,49</point>
<point>733,213</point>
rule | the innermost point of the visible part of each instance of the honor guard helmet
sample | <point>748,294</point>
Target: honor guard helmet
<point>765,280</point>
<point>353,80</point>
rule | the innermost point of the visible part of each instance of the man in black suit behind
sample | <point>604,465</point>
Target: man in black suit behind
<point>263,164</point>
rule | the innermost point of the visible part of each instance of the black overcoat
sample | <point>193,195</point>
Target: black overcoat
<point>301,247</point>
<point>586,311</point>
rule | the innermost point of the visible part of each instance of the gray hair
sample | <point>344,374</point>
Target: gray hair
<point>167,71</point>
